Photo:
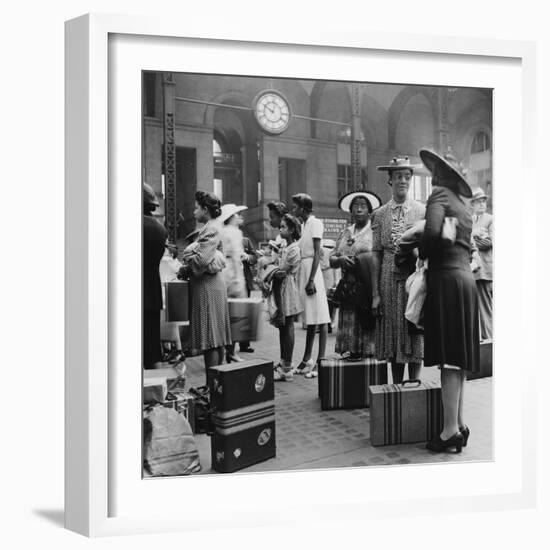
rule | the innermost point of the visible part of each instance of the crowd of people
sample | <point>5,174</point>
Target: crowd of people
<point>370,292</point>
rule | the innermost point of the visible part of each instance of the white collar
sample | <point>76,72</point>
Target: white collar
<point>406,204</point>
<point>353,232</point>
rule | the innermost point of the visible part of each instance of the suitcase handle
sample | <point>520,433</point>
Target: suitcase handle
<point>347,357</point>
<point>415,381</point>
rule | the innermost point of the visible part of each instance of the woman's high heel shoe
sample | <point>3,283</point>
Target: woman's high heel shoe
<point>440,446</point>
<point>233,357</point>
<point>465,431</point>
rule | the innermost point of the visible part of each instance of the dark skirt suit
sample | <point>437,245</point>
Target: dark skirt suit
<point>451,312</point>
<point>154,237</point>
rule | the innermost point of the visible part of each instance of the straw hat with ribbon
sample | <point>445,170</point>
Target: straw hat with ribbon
<point>372,200</point>
<point>447,171</point>
<point>398,163</point>
<point>229,210</point>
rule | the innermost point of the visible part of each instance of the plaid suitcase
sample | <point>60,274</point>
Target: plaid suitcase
<point>344,383</point>
<point>405,413</point>
<point>242,384</point>
<point>243,437</point>
<point>485,361</point>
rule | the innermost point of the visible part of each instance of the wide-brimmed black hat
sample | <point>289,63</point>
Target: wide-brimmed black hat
<point>345,202</point>
<point>450,172</point>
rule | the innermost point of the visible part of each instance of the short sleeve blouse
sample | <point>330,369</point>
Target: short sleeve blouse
<point>312,229</point>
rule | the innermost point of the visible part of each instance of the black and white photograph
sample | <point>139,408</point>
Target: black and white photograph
<point>317,274</point>
<point>256,303</point>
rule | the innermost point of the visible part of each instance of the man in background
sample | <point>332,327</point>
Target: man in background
<point>154,238</point>
<point>482,234</point>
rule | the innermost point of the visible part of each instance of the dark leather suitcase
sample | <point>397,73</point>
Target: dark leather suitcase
<point>241,384</point>
<point>177,301</point>
<point>243,437</point>
<point>344,383</point>
<point>485,361</point>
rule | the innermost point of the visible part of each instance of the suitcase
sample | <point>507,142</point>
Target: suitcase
<point>172,377</point>
<point>154,390</point>
<point>241,384</point>
<point>177,301</point>
<point>485,361</point>
<point>344,383</point>
<point>244,316</point>
<point>410,412</point>
<point>243,437</point>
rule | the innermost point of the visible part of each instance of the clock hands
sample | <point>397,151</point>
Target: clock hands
<point>272,112</point>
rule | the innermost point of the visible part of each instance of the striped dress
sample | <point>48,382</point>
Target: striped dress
<point>209,319</point>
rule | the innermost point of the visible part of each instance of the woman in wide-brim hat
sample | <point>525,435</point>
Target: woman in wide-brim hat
<point>394,341</point>
<point>451,315</point>
<point>353,255</point>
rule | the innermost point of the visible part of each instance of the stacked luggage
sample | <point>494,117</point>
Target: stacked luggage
<point>243,413</point>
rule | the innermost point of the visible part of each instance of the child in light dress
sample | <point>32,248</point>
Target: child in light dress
<point>291,304</point>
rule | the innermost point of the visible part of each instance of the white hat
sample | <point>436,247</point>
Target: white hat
<point>371,198</point>
<point>229,210</point>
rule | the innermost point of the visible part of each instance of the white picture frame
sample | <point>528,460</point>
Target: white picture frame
<point>104,53</point>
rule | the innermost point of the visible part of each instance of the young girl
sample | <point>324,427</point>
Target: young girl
<point>290,295</point>
<point>311,284</point>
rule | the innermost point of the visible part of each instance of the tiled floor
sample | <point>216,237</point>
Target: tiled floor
<point>308,437</point>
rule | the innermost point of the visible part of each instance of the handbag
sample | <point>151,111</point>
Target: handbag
<point>345,291</point>
<point>416,286</point>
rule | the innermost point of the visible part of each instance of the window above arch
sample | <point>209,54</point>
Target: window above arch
<point>480,143</point>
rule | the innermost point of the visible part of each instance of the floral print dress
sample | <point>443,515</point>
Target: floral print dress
<point>393,340</point>
<point>351,337</point>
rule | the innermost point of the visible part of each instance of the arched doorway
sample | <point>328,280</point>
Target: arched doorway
<point>227,158</point>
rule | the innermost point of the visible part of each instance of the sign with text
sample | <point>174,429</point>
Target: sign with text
<point>334,226</point>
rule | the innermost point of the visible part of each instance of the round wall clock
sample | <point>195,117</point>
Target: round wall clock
<point>272,111</point>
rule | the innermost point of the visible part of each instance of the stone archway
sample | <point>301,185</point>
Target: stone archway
<point>399,104</point>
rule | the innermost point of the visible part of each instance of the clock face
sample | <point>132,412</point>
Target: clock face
<point>272,112</point>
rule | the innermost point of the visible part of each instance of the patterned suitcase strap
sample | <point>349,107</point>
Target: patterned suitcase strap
<point>393,433</point>
<point>228,422</point>
<point>245,426</point>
